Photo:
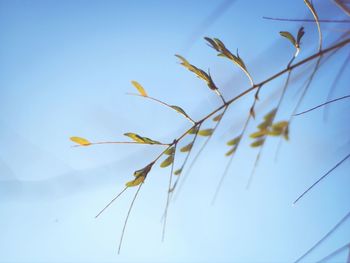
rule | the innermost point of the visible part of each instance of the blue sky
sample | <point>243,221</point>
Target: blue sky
<point>65,69</point>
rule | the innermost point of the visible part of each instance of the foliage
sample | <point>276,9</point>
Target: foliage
<point>269,126</point>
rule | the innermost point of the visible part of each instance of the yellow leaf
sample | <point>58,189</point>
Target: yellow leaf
<point>257,143</point>
<point>264,125</point>
<point>134,136</point>
<point>206,132</point>
<point>193,130</point>
<point>258,134</point>
<point>234,141</point>
<point>80,141</point>
<point>187,148</point>
<point>280,125</point>
<point>179,110</point>
<point>275,132</point>
<point>140,89</point>
<point>140,139</point>
<point>270,115</point>
<point>290,37</point>
<point>136,181</point>
<point>167,161</point>
<point>170,151</point>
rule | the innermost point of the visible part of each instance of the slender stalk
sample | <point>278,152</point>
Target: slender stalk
<point>199,153</point>
<point>323,104</point>
<point>335,252</point>
<point>321,178</point>
<point>168,195</point>
<point>186,158</point>
<point>97,143</point>
<point>250,179</point>
<point>166,105</point>
<point>336,80</point>
<point>115,198</point>
<point>306,20</point>
<point>127,218</point>
<point>330,232</point>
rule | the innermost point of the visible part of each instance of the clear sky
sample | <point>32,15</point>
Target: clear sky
<point>65,69</point>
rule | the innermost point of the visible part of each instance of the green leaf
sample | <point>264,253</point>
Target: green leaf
<point>139,88</point>
<point>179,110</point>
<point>140,139</point>
<point>257,143</point>
<point>200,73</point>
<point>258,134</point>
<point>80,141</point>
<point>234,141</point>
<point>170,151</point>
<point>206,132</point>
<point>290,37</point>
<point>178,171</point>
<point>187,148</point>
<point>169,160</point>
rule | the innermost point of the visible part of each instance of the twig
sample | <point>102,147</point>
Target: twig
<point>320,179</point>
<point>323,104</point>
<point>168,194</point>
<point>111,202</point>
<point>335,253</point>
<point>330,232</point>
<point>127,218</point>
<point>305,20</point>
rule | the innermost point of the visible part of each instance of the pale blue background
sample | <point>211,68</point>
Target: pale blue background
<point>65,69</point>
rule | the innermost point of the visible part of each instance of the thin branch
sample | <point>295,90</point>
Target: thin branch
<point>133,142</point>
<point>168,194</point>
<point>277,108</point>
<point>336,80</point>
<point>313,11</point>
<point>334,253</point>
<point>164,104</point>
<point>115,198</point>
<point>306,20</point>
<point>330,232</point>
<point>322,177</point>
<point>228,165</point>
<point>323,104</point>
<point>343,7</point>
<point>199,153</point>
<point>127,218</point>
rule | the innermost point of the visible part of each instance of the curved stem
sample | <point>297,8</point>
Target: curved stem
<point>306,20</point>
<point>323,104</point>
<point>164,104</point>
